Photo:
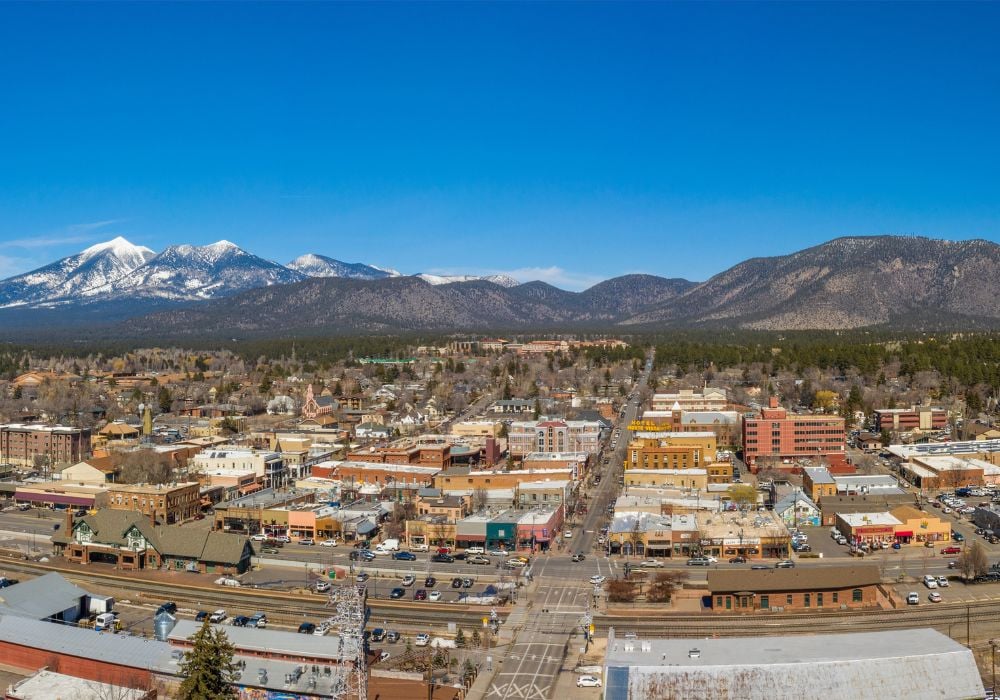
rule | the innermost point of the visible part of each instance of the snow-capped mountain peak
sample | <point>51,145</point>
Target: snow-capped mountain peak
<point>97,266</point>
<point>315,265</point>
<point>120,248</point>
<point>502,280</point>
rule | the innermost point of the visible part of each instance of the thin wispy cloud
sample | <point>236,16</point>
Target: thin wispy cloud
<point>71,235</point>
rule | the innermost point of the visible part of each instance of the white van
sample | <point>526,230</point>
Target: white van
<point>387,546</point>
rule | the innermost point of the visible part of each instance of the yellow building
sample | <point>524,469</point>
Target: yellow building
<point>696,479</point>
<point>917,526</point>
<point>675,452</point>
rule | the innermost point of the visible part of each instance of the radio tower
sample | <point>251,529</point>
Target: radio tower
<point>349,618</point>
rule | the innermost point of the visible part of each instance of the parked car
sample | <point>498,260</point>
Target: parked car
<point>240,621</point>
<point>259,537</point>
<point>934,597</point>
<point>378,634</point>
<point>409,580</point>
<point>328,543</point>
<point>588,682</point>
<point>456,583</point>
<point>951,550</point>
<point>467,582</point>
<point>475,550</point>
<point>392,636</point>
<point>321,586</point>
<point>420,594</point>
<point>943,582</point>
<point>738,560</point>
<point>201,616</point>
<point>362,577</point>
<point>217,616</point>
<point>434,596</point>
<point>430,582</point>
<point>258,620</point>
<point>397,593</point>
<point>930,581</point>
<point>422,640</point>
<point>169,607</point>
<point>308,541</point>
<point>307,628</point>
<point>913,599</point>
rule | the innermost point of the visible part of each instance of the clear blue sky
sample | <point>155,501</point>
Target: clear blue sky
<point>584,140</point>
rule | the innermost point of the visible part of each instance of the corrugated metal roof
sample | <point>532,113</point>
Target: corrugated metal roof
<point>918,664</point>
<point>41,597</point>
<point>76,641</point>
<point>268,641</point>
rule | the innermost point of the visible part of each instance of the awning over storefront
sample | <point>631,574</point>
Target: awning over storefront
<point>250,488</point>
<point>57,498</point>
<point>904,533</point>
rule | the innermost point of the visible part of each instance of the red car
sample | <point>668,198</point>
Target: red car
<point>951,550</point>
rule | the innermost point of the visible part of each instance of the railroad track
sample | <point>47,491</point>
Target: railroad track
<point>947,616</point>
<point>280,606</point>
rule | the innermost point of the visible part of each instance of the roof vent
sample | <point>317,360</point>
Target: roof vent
<point>694,653</point>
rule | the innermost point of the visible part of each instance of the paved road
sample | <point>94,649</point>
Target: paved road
<point>533,661</point>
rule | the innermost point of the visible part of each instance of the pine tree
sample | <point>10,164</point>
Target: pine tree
<point>460,639</point>
<point>208,668</point>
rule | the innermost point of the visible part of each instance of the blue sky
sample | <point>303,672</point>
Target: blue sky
<point>566,142</point>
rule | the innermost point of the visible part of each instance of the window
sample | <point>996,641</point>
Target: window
<point>834,595</point>
<point>765,602</point>
<point>819,600</point>
<point>806,599</point>
<point>856,595</point>
<point>718,601</point>
<point>788,599</point>
<point>729,602</point>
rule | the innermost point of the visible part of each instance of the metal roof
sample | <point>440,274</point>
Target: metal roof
<point>267,641</point>
<point>41,597</point>
<point>916,664</point>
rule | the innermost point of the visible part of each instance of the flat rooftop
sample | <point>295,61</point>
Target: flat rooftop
<point>863,519</point>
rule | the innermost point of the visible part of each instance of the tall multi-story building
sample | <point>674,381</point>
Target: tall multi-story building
<point>913,418</point>
<point>708,399</point>
<point>166,503</point>
<point>677,459</point>
<point>553,435</point>
<point>267,466</point>
<point>32,445</point>
<point>725,424</point>
<point>781,439</point>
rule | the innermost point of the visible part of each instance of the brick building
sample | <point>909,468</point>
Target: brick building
<point>553,435</point>
<point>913,418</point>
<point>166,503</point>
<point>31,445</point>
<point>801,589</point>
<point>779,438</point>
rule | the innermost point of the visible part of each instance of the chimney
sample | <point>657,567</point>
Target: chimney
<point>69,521</point>
<point>772,402</point>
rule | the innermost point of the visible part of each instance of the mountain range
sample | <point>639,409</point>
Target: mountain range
<point>853,282</point>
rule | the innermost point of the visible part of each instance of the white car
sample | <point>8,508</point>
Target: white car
<point>588,682</point>
<point>943,582</point>
<point>418,548</point>
<point>422,640</point>
<point>568,534</point>
<point>651,564</point>
<point>409,580</point>
<point>475,550</point>
<point>913,599</point>
<point>597,580</point>
<point>258,537</point>
<point>434,596</point>
<point>218,616</point>
<point>328,543</point>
